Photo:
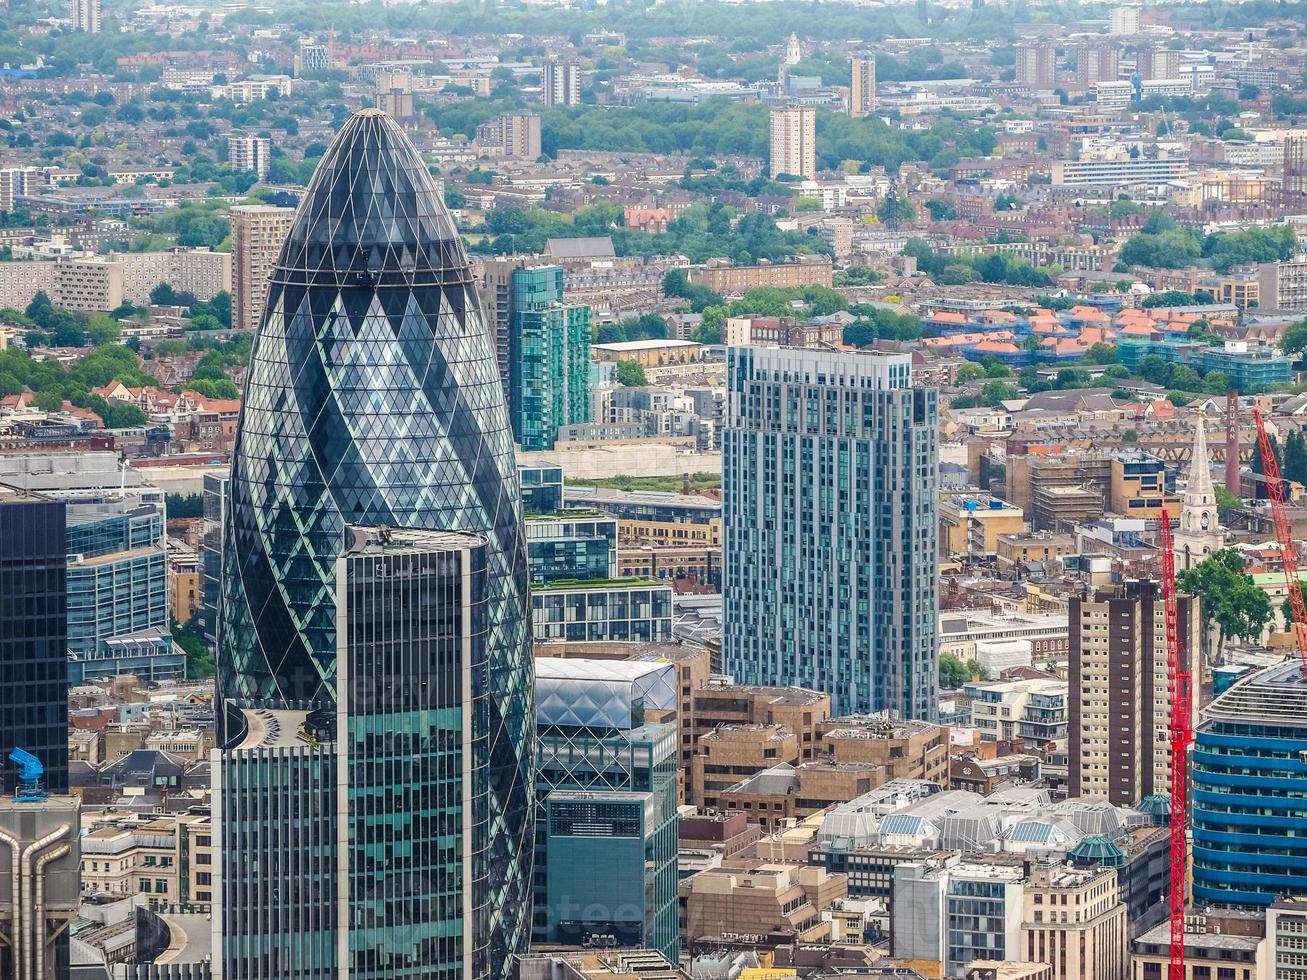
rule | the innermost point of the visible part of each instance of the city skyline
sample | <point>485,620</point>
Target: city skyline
<point>706,490</point>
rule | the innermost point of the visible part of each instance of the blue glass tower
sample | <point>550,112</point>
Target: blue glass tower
<point>372,399</point>
<point>1250,791</point>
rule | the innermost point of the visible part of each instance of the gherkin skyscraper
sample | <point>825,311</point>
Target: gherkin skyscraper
<point>375,818</point>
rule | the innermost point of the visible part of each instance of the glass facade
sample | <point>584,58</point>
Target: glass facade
<point>214,500</point>
<point>606,780</point>
<point>542,489</point>
<point>33,646</point>
<point>1250,791</point>
<point>373,398</point>
<point>549,358</point>
<point>117,583</point>
<point>411,741</point>
<point>829,527</point>
<point>626,609</point>
<point>116,595</point>
<point>578,548</point>
<point>977,923</point>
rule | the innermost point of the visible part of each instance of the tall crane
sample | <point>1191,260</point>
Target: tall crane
<point>1180,678</point>
<point>1288,557</point>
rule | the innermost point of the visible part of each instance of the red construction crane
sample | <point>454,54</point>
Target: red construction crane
<point>1288,557</point>
<point>1181,735</point>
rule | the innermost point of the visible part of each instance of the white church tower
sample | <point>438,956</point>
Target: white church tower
<point>793,51</point>
<point>1200,529</point>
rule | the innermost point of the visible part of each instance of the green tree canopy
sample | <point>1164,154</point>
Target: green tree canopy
<point>631,374</point>
<point>1228,597</point>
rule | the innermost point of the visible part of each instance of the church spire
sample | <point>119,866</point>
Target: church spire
<point>1200,528</point>
<point>1199,488</point>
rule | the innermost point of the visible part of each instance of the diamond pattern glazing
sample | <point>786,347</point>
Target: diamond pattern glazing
<point>373,398</point>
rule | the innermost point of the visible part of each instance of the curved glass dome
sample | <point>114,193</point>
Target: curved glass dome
<point>373,398</point>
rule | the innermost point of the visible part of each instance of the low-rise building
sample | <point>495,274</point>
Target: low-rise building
<point>774,903</point>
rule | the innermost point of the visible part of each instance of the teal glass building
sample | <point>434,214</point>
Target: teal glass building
<point>606,781</point>
<point>372,400</point>
<point>1250,791</point>
<point>411,739</point>
<point>549,357</point>
<point>117,589</point>
<point>829,527</point>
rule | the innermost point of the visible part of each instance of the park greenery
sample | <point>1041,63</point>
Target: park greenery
<point>666,484</point>
<point>721,128</point>
<point>704,231</point>
<point>1163,245</point>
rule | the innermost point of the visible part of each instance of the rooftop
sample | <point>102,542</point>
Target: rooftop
<point>632,346</point>
<point>1274,695</point>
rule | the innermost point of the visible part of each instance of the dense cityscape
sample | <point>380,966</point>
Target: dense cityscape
<point>653,490</point>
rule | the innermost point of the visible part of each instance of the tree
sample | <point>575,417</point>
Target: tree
<point>1099,353</point>
<point>184,505</point>
<point>952,672</point>
<point>163,295</point>
<point>1226,502</point>
<point>101,328</point>
<point>1229,599</point>
<point>1295,338</point>
<point>1295,457</point>
<point>941,210</point>
<point>124,417</point>
<point>631,374</point>
<point>969,372</point>
<point>199,662</point>
<point>48,401</point>
<point>994,393</point>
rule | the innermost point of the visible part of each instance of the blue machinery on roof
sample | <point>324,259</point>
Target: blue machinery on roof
<point>30,771</point>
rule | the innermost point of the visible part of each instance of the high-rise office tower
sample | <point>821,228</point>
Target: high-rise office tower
<point>862,85</point>
<point>34,717</point>
<point>257,231</point>
<point>85,15</point>
<point>372,399</point>
<point>829,525</point>
<point>794,141</point>
<point>33,636</point>
<point>561,83</point>
<point>606,829</point>
<point>249,153</point>
<point>1248,803</point>
<point>1097,63</point>
<point>549,358</point>
<point>214,503</point>
<point>1036,66</point>
<point>1120,696</point>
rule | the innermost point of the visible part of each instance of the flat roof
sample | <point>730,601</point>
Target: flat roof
<point>638,345</point>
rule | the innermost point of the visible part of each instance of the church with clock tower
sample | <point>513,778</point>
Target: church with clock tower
<point>1200,534</point>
